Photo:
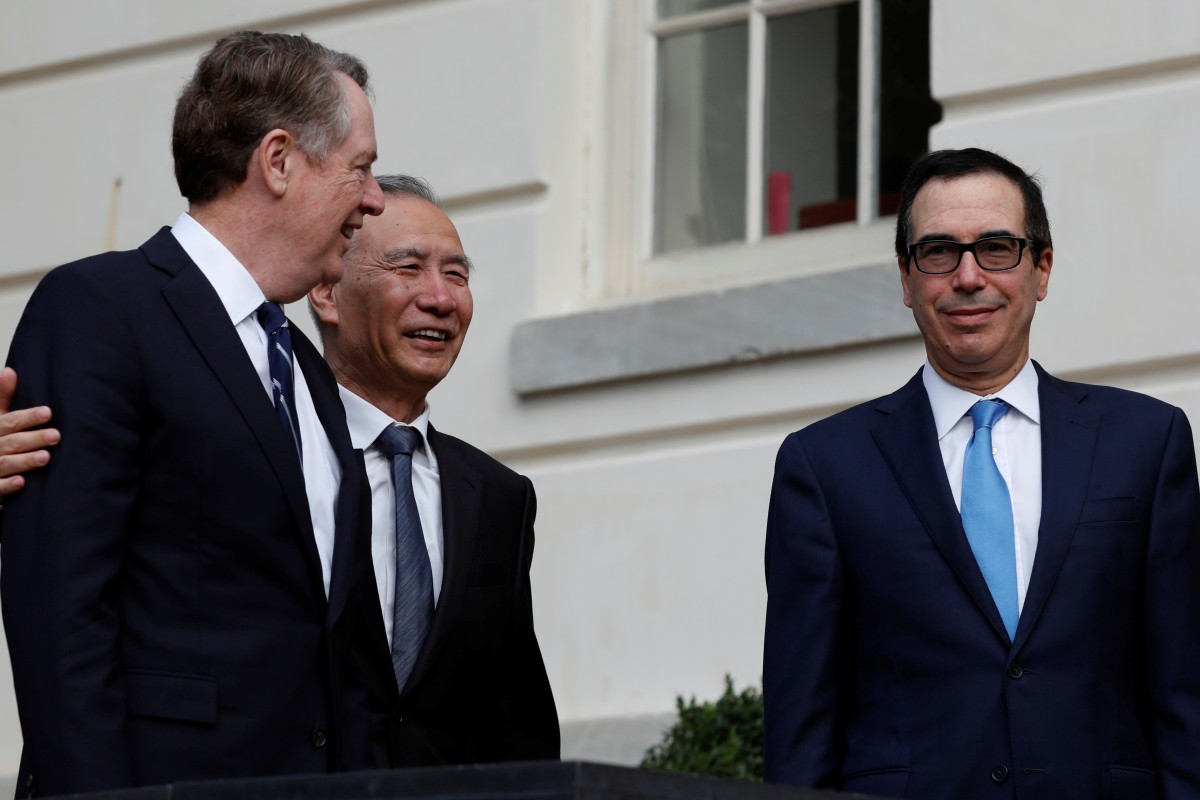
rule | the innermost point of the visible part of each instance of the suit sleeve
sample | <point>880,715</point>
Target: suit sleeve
<point>1172,621</point>
<point>65,534</point>
<point>803,658</point>
<point>528,720</point>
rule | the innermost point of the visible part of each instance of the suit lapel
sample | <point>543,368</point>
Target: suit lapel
<point>462,494</point>
<point>1069,431</point>
<point>907,437</point>
<point>203,318</point>
<point>351,535</point>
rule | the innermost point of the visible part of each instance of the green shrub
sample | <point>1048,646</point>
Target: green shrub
<point>723,739</point>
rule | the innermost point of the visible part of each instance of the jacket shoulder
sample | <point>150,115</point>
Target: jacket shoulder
<point>472,455</point>
<point>856,421</point>
<point>1112,400</point>
<point>111,269</point>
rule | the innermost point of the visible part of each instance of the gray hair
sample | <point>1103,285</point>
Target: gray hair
<point>409,186</point>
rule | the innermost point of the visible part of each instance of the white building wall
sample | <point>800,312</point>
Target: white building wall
<point>652,493</point>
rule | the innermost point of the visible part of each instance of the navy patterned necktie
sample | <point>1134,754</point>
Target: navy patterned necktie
<point>412,612</point>
<point>279,360</point>
<point>987,514</point>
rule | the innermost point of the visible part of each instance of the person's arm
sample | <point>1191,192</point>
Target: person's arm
<point>21,449</point>
<point>65,534</point>
<point>528,726</point>
<point>1172,609</point>
<point>803,653</point>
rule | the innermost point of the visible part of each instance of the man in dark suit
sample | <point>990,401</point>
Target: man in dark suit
<point>453,674</point>
<point>1041,642</point>
<point>174,578</point>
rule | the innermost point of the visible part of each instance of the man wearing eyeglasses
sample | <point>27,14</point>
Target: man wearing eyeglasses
<point>986,584</point>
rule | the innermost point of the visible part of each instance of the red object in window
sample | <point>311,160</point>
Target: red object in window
<point>779,202</point>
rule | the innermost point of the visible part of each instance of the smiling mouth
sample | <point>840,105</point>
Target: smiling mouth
<point>970,316</point>
<point>429,335</point>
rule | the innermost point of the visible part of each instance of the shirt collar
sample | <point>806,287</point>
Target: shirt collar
<point>366,422</point>
<point>950,403</point>
<point>238,291</point>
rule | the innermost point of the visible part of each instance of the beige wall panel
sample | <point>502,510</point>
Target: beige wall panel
<point>983,47</point>
<point>649,574</point>
<point>457,88</point>
<point>47,32</point>
<point>71,140</point>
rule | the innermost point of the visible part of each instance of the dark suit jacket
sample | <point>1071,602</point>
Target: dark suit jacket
<point>478,692</point>
<point>887,668</point>
<point>162,593</point>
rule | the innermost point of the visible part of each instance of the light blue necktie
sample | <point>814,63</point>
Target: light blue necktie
<point>413,608</point>
<point>279,361</point>
<point>987,514</point>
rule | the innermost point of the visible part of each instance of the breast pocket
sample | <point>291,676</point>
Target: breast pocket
<point>1109,509</point>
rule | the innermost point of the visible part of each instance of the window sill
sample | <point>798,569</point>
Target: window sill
<point>791,317</point>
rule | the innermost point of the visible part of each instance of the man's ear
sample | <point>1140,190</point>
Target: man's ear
<point>324,304</point>
<point>1045,262</point>
<point>903,264</point>
<point>275,157</point>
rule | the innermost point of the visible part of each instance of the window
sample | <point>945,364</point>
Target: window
<point>774,116</point>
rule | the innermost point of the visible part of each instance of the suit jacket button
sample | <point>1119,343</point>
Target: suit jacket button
<point>1015,671</point>
<point>318,737</point>
<point>999,773</point>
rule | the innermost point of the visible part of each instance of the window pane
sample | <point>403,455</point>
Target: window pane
<point>906,110</point>
<point>677,8</point>
<point>811,153</point>
<point>700,154</point>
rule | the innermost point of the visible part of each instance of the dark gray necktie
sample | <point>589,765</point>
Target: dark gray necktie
<point>413,609</point>
<point>279,360</point>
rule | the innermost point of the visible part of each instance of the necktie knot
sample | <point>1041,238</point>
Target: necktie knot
<point>271,316</point>
<point>985,413</point>
<point>398,440</point>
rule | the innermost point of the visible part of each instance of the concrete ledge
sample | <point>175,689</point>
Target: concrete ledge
<point>790,317</point>
<point>614,740</point>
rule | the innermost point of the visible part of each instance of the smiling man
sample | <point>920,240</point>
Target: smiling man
<point>985,583</point>
<point>174,579</point>
<point>443,639</point>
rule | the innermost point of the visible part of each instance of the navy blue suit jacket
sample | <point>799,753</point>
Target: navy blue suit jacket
<point>162,593</point>
<point>887,668</point>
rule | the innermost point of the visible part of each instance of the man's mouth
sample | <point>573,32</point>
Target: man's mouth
<point>968,315</point>
<point>429,334</point>
<point>348,232</point>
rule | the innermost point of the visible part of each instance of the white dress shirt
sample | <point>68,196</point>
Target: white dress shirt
<point>241,296</point>
<point>366,422</point>
<point>1016,444</point>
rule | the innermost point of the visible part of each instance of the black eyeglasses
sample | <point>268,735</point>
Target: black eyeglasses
<point>993,253</point>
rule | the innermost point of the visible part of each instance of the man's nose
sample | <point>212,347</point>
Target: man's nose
<point>435,294</point>
<point>372,202</point>
<point>969,276</point>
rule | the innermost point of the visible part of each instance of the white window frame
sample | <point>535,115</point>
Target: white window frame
<point>627,79</point>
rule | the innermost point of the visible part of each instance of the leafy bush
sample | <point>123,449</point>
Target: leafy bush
<point>723,739</point>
